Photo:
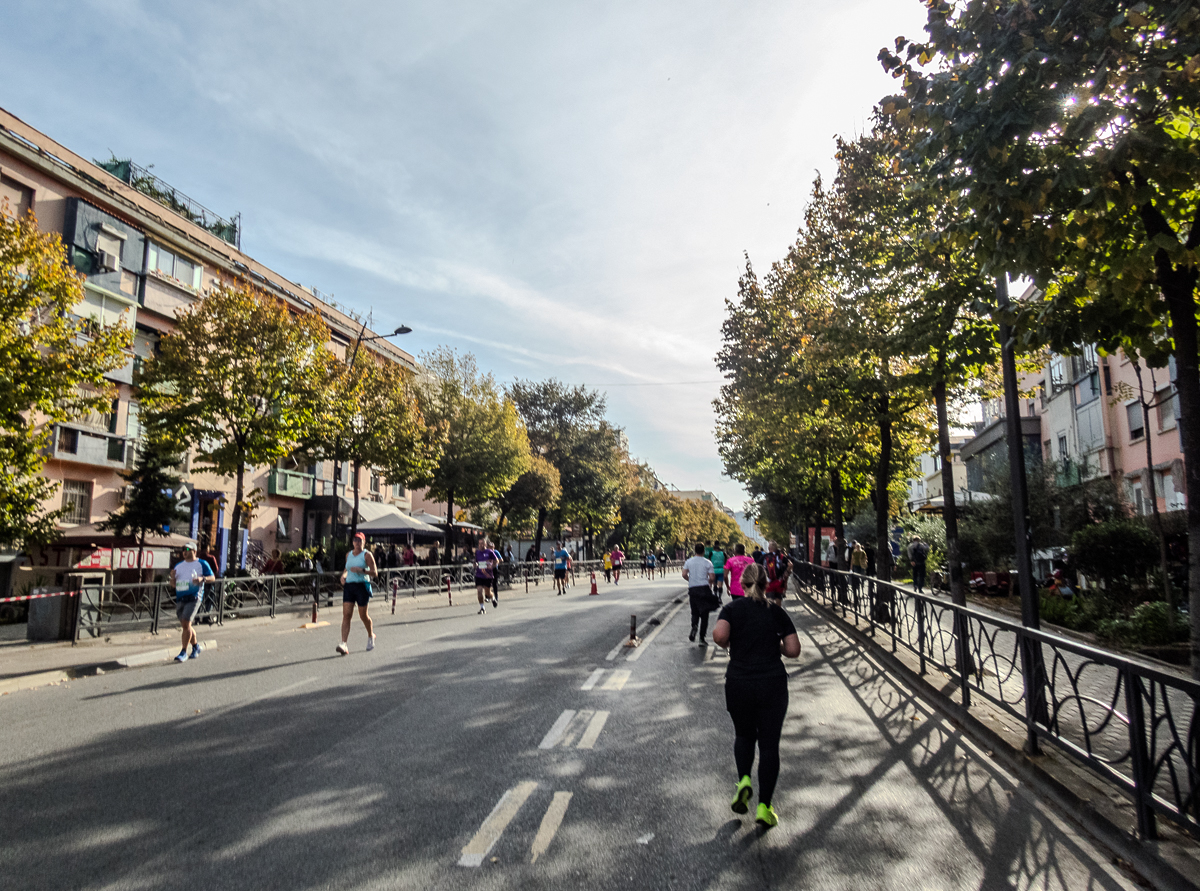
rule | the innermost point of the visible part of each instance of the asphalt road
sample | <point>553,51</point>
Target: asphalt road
<point>464,752</point>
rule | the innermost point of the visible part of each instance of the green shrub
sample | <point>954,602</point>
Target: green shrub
<point>1061,611</point>
<point>1123,548</point>
<point>1151,624</point>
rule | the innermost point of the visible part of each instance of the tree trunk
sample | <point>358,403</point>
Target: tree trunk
<point>1187,386</point>
<point>1168,591</point>
<point>140,559</point>
<point>235,533</point>
<point>839,525</point>
<point>537,535</point>
<point>354,516</point>
<point>949,504</point>
<point>883,548</point>
<point>449,548</point>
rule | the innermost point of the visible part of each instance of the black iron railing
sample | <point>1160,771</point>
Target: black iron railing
<point>1133,724</point>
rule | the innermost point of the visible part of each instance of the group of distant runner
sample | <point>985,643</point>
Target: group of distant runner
<point>753,626</point>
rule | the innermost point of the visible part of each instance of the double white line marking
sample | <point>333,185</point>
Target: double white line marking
<point>615,681</point>
<point>563,732</point>
<point>477,849</point>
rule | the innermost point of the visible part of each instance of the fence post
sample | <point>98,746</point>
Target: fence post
<point>921,633</point>
<point>220,601</point>
<point>154,610</point>
<point>274,593</point>
<point>1139,756</point>
<point>962,634</point>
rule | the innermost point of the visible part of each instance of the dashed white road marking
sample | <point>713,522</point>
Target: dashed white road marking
<point>495,824</point>
<point>588,740</point>
<point>550,823</point>
<point>593,680</point>
<point>556,731</point>
<point>637,653</point>
<point>616,680</point>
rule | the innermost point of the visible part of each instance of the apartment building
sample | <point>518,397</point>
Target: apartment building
<point>925,490</point>
<point>146,251</point>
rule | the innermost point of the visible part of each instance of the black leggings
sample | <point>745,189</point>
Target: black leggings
<point>758,708</point>
<point>697,597</point>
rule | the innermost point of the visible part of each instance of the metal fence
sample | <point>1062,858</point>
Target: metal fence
<point>103,609</point>
<point>1136,726</point>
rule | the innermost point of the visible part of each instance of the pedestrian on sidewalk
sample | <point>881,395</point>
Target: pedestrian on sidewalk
<point>918,551</point>
<point>360,568</point>
<point>756,632</point>
<point>858,565</point>
<point>189,576</point>
<point>734,567</point>
<point>485,571</point>
<point>699,574</point>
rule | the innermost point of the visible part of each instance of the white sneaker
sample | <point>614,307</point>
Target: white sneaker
<point>343,649</point>
<point>370,643</point>
<point>481,611</point>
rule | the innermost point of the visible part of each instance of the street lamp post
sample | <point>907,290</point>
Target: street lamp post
<point>337,457</point>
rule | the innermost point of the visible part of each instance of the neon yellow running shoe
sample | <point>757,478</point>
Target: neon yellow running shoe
<point>741,796</point>
<point>766,815</point>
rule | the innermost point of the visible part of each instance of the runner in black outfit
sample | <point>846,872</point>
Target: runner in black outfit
<point>756,632</point>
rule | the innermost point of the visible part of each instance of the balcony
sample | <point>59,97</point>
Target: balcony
<point>290,484</point>
<point>87,447</point>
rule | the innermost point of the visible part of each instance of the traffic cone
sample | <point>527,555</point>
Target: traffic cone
<point>594,590</point>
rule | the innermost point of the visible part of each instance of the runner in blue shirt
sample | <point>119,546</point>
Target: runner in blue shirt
<point>562,562</point>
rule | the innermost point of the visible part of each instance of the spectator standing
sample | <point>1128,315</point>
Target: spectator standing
<point>189,576</point>
<point>918,551</point>
<point>699,574</point>
<point>858,564</point>
<point>274,564</point>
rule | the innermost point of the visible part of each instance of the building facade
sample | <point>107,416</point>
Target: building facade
<point>146,252</point>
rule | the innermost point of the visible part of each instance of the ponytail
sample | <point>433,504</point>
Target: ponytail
<point>754,583</point>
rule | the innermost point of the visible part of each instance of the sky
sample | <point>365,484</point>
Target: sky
<point>564,189</point>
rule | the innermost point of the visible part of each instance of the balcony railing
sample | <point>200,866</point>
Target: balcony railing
<point>290,483</point>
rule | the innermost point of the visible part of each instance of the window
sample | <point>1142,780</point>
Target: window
<point>375,483</point>
<point>170,264</point>
<point>1046,450</point>
<point>77,502</point>
<point>68,440</point>
<point>1166,408</point>
<point>116,450</point>
<point>15,199</point>
<point>109,243</point>
<point>1062,447</point>
<point>1137,426</point>
<point>283,524</point>
<point>397,490</point>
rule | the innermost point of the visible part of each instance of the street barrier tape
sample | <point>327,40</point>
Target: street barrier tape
<point>37,596</point>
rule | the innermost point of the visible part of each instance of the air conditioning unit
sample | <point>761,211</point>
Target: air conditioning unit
<point>124,494</point>
<point>108,262</point>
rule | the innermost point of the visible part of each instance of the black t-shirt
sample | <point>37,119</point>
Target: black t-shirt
<point>755,630</point>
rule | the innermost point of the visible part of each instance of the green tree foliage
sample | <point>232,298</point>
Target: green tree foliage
<point>536,489</point>
<point>567,427</point>
<point>484,444</point>
<point>52,368</point>
<point>236,381</point>
<point>150,504</point>
<point>1119,549</point>
<point>1067,132</point>
<point>368,415</point>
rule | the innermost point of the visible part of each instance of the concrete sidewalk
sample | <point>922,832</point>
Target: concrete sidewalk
<point>25,664</point>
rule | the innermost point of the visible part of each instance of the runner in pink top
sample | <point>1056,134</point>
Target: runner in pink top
<point>734,567</point>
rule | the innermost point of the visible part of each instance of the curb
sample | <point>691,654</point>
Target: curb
<point>57,676</point>
<point>1121,843</point>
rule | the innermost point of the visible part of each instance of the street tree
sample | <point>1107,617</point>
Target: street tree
<point>53,362</point>
<point>535,489</point>
<point>1068,131</point>
<point>149,504</point>
<point>484,446</point>
<point>368,415</point>
<point>235,381</point>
